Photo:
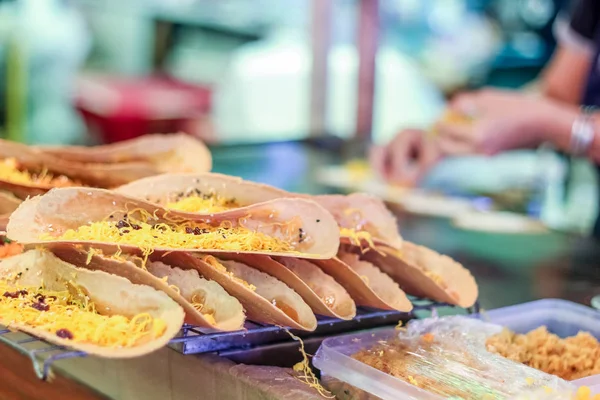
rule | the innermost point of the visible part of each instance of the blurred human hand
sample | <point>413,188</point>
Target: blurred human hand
<point>498,121</point>
<point>406,158</point>
<point>488,121</point>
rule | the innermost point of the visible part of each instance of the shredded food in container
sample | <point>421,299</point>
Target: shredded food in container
<point>570,358</point>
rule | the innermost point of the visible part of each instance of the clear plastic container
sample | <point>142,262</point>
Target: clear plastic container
<point>334,356</point>
<point>334,360</point>
<point>561,317</point>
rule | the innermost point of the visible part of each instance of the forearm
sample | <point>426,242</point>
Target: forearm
<point>564,78</point>
<point>556,124</point>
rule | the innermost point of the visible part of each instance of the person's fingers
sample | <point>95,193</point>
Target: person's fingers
<point>455,132</point>
<point>465,104</point>
<point>430,155</point>
<point>398,160</point>
<point>450,147</point>
<point>404,150</point>
<point>410,177</point>
<point>378,160</point>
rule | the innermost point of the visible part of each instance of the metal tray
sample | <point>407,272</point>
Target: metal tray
<point>252,345</point>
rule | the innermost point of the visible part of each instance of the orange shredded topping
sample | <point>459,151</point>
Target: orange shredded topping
<point>70,314</point>
<point>305,373</point>
<point>143,230</point>
<point>203,203</point>
<point>216,264</point>
<point>11,171</point>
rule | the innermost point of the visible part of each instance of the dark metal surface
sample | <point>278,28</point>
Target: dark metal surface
<point>193,341</point>
<point>257,342</point>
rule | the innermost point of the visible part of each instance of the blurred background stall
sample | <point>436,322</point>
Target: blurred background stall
<point>255,58</point>
<point>236,73</point>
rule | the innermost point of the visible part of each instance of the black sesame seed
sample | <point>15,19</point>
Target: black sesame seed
<point>318,220</point>
<point>40,298</point>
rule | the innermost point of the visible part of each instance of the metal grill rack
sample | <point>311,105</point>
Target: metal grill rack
<point>192,341</point>
<point>41,353</point>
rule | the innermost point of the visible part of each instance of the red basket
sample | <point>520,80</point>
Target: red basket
<point>117,109</point>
